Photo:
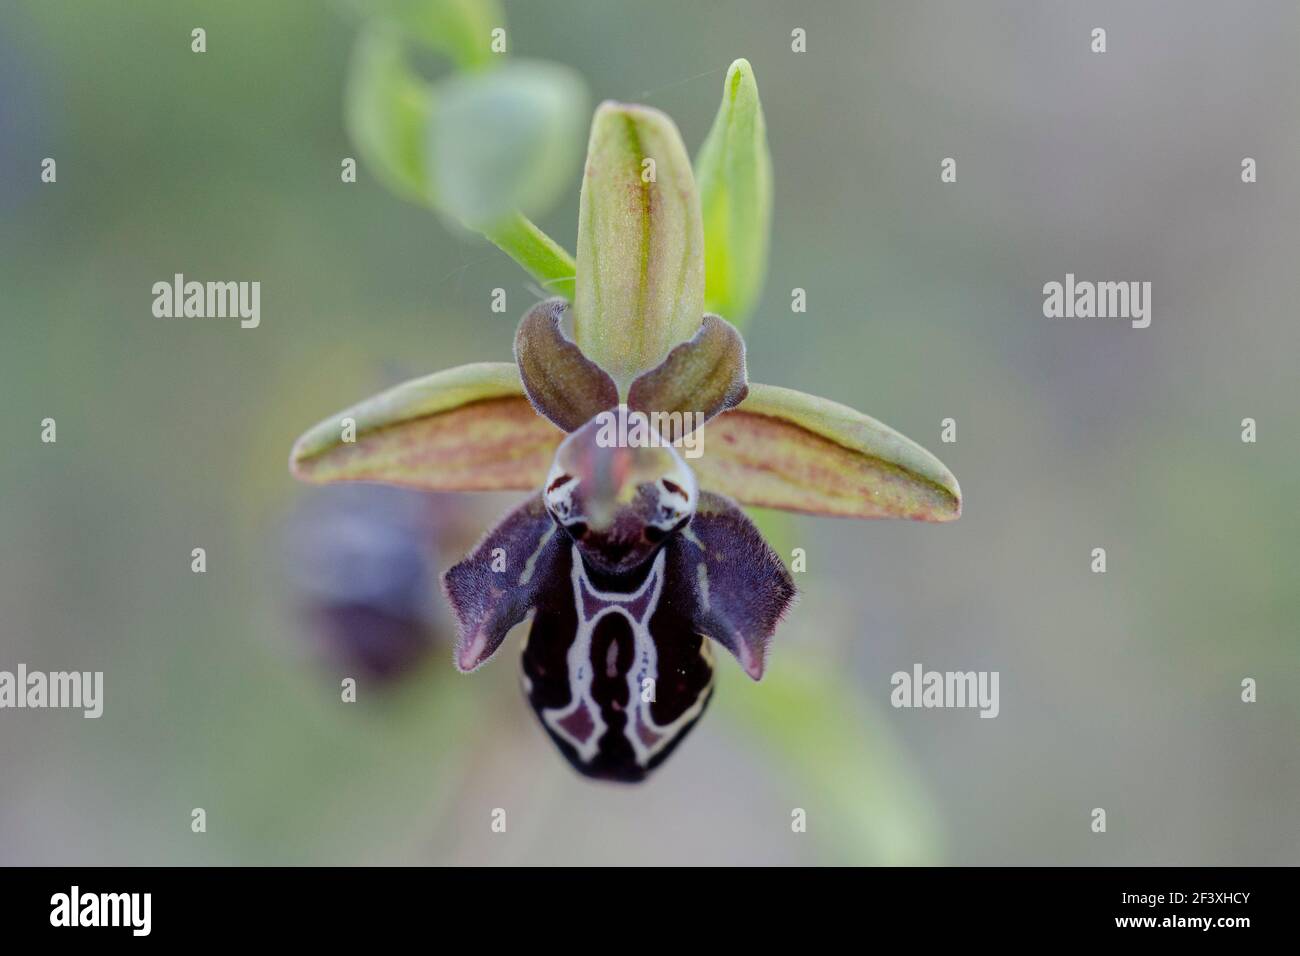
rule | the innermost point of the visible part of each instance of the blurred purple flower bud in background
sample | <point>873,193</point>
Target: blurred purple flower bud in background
<point>363,562</point>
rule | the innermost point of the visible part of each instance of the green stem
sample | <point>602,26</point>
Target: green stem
<point>541,256</point>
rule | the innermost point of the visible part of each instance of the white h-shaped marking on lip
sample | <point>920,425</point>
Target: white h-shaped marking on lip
<point>580,666</point>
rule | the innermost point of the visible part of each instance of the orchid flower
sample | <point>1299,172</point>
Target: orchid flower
<point>631,557</point>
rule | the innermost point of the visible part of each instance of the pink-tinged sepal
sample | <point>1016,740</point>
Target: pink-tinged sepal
<point>785,449</point>
<point>734,584</point>
<point>495,587</point>
<point>468,428</point>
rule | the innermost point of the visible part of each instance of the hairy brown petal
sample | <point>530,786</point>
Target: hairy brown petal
<point>705,375</point>
<point>561,382</point>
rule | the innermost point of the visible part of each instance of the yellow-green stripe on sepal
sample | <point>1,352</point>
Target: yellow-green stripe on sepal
<point>640,282</point>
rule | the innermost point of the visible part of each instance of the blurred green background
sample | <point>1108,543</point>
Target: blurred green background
<point>924,302</point>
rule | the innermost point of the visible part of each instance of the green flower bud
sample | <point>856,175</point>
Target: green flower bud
<point>734,169</point>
